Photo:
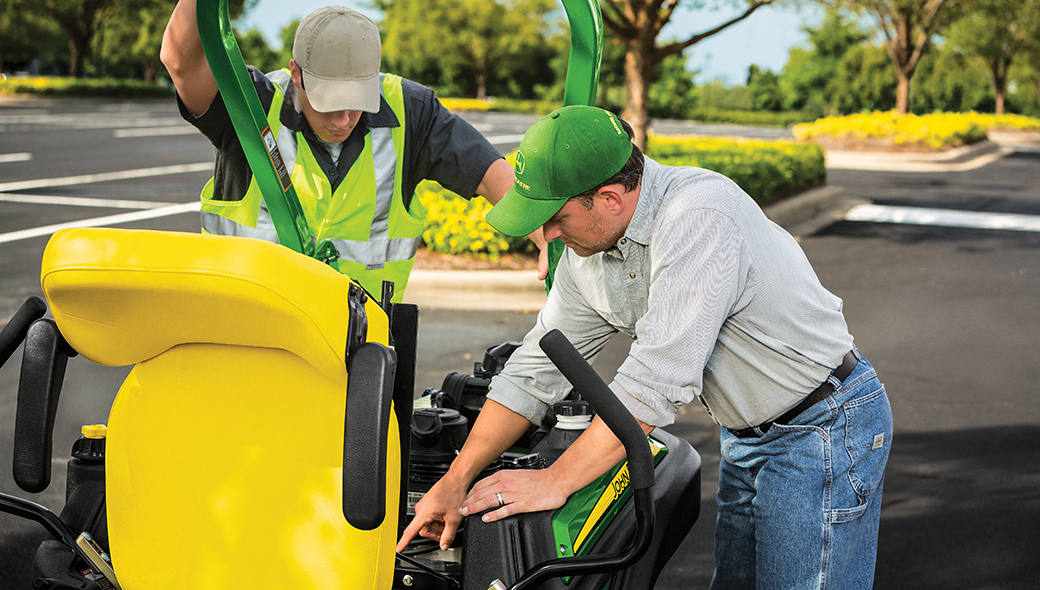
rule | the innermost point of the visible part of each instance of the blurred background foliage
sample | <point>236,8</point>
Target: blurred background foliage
<point>987,56</point>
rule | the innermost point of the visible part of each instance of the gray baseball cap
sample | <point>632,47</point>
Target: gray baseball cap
<point>338,51</point>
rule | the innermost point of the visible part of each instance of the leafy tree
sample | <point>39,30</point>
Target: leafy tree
<point>80,19</point>
<point>996,31</point>
<point>673,91</point>
<point>809,72</point>
<point>865,81</point>
<point>127,44</point>
<point>908,27</point>
<point>83,20</point>
<point>479,39</point>
<point>764,86</point>
<point>256,52</point>
<point>26,33</point>
<point>716,95</point>
<point>948,80</point>
<point>638,23</point>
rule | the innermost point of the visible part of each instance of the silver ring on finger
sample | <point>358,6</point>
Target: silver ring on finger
<point>501,502</point>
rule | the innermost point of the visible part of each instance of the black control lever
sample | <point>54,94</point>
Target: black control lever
<point>640,465</point>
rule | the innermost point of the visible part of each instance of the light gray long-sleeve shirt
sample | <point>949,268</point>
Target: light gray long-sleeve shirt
<point>720,303</point>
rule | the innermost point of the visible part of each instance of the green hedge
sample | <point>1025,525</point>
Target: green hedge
<point>64,86</point>
<point>759,118</point>
<point>766,170</point>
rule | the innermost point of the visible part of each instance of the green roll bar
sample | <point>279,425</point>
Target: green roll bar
<point>250,120</point>
<point>582,78</point>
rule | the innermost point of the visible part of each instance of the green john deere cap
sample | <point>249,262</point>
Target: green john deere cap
<point>564,154</point>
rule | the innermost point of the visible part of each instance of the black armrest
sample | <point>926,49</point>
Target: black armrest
<point>14,332</point>
<point>43,370</point>
<point>370,388</point>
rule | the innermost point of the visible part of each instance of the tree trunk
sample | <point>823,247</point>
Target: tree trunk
<point>77,51</point>
<point>902,93</point>
<point>637,93</point>
<point>483,75</point>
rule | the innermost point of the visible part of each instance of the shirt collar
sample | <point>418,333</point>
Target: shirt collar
<point>641,226</point>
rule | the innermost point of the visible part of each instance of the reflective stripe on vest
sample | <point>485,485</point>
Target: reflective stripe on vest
<point>364,218</point>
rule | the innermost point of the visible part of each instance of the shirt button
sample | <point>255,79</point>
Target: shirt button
<point>631,275</point>
<point>624,241</point>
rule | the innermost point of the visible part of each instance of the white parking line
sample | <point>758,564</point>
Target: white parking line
<point>155,131</point>
<point>20,157</point>
<point>944,217</point>
<point>104,177</point>
<point>82,202</point>
<point>497,139</point>
<point>101,221</point>
<point>90,120</point>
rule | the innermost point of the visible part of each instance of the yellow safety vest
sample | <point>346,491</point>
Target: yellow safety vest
<point>365,218</point>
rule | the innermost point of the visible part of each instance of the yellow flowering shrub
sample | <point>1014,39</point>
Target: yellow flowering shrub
<point>81,86</point>
<point>467,104</point>
<point>936,131</point>
<point>456,226</point>
<point>1016,122</point>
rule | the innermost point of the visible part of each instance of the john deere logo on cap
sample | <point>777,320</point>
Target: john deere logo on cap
<point>519,163</point>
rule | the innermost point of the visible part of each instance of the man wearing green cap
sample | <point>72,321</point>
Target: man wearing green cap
<point>722,306</point>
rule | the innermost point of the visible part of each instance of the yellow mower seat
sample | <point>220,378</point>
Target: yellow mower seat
<point>225,444</point>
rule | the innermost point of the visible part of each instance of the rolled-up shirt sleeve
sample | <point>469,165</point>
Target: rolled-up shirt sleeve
<point>699,270</point>
<point>530,384</point>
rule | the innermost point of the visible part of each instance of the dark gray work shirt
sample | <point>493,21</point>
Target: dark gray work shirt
<point>439,145</point>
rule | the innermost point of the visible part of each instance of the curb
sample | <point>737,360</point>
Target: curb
<point>960,159</point>
<point>487,290</point>
<point>521,291</point>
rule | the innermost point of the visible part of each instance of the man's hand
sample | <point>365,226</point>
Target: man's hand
<point>522,490</point>
<point>543,253</point>
<point>436,516</point>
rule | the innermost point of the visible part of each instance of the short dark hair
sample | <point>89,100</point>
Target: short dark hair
<point>629,176</point>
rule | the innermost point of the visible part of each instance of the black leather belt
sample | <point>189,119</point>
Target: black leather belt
<point>841,373</point>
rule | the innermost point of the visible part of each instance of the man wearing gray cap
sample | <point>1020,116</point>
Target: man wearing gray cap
<point>356,143</point>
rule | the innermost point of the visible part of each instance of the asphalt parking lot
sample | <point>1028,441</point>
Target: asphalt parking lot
<point>945,306</point>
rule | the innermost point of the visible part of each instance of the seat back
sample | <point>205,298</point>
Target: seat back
<point>225,443</point>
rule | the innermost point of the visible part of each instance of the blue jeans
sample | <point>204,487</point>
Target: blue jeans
<point>799,507</point>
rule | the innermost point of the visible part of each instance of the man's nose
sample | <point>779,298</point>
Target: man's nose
<point>551,231</point>
<point>341,119</point>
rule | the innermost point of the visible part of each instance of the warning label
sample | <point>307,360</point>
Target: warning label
<point>276,159</point>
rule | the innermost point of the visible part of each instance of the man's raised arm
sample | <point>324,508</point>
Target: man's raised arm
<point>186,62</point>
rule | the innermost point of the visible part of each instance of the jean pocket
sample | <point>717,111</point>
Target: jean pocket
<point>843,515</point>
<point>868,439</point>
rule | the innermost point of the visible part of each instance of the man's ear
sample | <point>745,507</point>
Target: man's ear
<point>613,196</point>
<point>296,73</point>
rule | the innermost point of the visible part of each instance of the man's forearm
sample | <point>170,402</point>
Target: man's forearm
<point>496,429</point>
<point>590,456</point>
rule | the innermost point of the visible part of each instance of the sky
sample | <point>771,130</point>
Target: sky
<point>764,38</point>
